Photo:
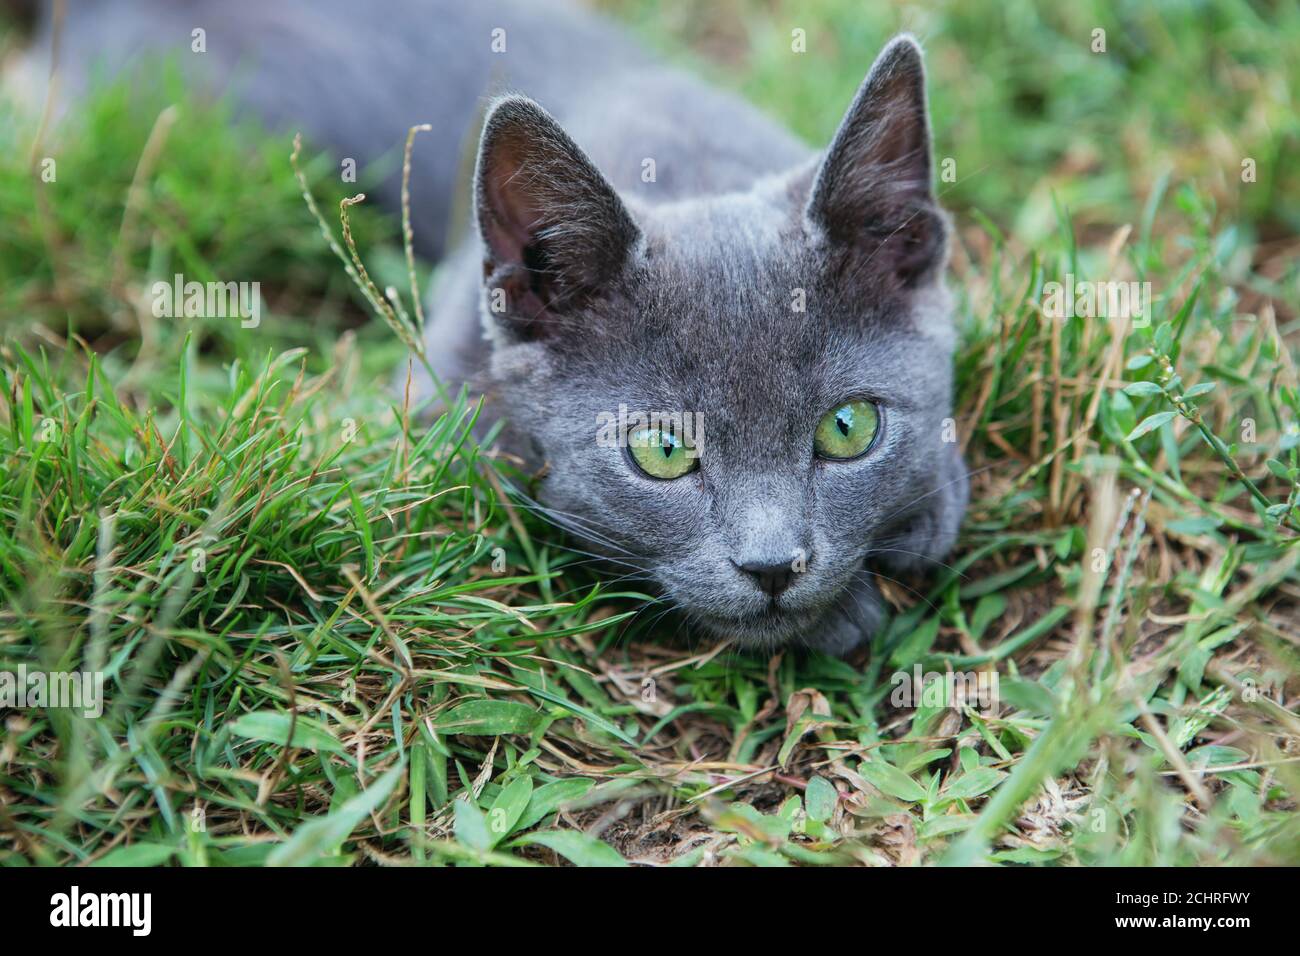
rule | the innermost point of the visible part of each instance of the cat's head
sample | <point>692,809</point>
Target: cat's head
<point>800,333</point>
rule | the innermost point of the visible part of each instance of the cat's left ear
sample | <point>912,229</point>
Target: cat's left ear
<point>554,230</point>
<point>872,197</point>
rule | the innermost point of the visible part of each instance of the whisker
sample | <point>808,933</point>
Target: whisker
<point>581,526</point>
<point>918,554</point>
<point>965,476</point>
<point>886,577</point>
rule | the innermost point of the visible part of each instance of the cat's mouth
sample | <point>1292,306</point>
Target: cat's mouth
<point>774,625</point>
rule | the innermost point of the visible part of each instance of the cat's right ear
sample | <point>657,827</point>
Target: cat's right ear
<point>553,228</point>
<point>872,196</point>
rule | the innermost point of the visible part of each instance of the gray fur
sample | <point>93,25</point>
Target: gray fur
<point>682,301</point>
<point>672,295</point>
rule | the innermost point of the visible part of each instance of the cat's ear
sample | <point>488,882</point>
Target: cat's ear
<point>872,197</point>
<point>553,228</point>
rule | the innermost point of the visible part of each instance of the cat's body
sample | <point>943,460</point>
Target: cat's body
<point>651,242</point>
<point>353,77</point>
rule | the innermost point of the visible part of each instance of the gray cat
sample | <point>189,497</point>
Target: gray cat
<point>732,355</point>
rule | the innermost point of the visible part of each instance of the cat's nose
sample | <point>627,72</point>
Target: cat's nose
<point>772,578</point>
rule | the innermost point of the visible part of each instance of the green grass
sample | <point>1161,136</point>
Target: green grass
<point>331,637</point>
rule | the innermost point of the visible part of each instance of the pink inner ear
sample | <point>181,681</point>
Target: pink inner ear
<point>553,228</point>
<point>513,218</point>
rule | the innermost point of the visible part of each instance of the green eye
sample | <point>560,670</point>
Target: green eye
<point>661,454</point>
<point>847,431</point>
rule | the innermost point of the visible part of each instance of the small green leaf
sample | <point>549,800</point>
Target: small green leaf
<point>576,847</point>
<point>789,807</point>
<point>489,718</point>
<point>549,797</point>
<point>321,837</point>
<point>1150,423</point>
<point>892,781</point>
<point>1197,525</point>
<point>1062,547</point>
<point>1027,695</point>
<point>991,606</point>
<point>820,798</point>
<point>1142,388</point>
<point>273,727</point>
<point>1164,338</point>
<point>973,784</point>
<point>1119,413</point>
<point>913,647</point>
<point>137,854</point>
<point>471,825</point>
<point>927,757</point>
<point>508,807</point>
